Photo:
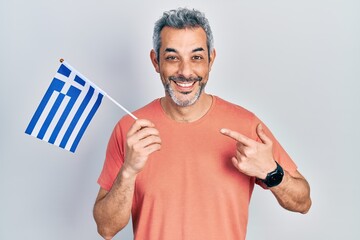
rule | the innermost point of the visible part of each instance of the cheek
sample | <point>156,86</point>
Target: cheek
<point>204,73</point>
<point>168,66</point>
<point>163,70</point>
<point>202,69</point>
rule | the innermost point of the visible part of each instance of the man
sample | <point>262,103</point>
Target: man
<point>187,168</point>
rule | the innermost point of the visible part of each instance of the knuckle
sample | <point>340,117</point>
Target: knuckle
<point>129,142</point>
<point>152,149</point>
<point>247,153</point>
<point>140,121</point>
<point>136,147</point>
<point>241,165</point>
<point>154,132</point>
<point>156,139</point>
<point>150,131</point>
<point>242,158</point>
<point>128,134</point>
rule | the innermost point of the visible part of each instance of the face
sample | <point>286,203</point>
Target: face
<point>184,64</point>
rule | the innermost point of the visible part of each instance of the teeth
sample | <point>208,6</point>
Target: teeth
<point>186,84</point>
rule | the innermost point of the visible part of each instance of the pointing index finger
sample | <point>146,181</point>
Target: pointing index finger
<point>236,136</point>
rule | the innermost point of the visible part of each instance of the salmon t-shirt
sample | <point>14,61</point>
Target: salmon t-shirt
<point>190,190</point>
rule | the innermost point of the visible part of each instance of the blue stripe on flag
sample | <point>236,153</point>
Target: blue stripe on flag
<point>77,117</point>
<point>56,85</point>
<point>64,70</point>
<point>86,123</point>
<point>73,93</point>
<point>51,115</point>
<point>79,80</point>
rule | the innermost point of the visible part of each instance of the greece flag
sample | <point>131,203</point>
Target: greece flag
<point>66,109</point>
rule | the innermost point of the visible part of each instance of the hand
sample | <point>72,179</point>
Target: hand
<point>141,140</point>
<point>252,158</point>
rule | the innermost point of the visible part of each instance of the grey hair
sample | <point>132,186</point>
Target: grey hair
<point>182,18</point>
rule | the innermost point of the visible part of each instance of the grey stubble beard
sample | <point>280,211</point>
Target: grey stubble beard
<point>186,102</point>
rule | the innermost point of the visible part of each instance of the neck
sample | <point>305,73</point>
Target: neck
<point>189,113</point>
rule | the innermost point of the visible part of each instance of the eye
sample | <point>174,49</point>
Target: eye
<point>197,57</point>
<point>171,58</point>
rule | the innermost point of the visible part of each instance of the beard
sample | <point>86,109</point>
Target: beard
<point>186,99</point>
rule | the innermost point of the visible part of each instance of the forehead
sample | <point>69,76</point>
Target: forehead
<point>182,39</point>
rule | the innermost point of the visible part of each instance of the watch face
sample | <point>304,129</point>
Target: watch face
<point>274,178</point>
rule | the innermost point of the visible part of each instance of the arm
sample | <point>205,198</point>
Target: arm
<point>293,193</point>
<point>112,209</point>
<point>256,159</point>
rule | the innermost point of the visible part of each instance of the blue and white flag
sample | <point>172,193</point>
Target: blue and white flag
<point>66,110</point>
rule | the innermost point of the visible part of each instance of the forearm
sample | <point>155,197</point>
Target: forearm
<point>112,211</point>
<point>293,193</point>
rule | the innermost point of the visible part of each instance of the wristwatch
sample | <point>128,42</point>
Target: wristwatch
<point>275,177</point>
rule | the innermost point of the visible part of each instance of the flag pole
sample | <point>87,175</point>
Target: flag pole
<point>110,98</point>
<point>120,106</point>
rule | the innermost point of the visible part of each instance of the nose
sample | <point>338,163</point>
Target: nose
<point>185,69</point>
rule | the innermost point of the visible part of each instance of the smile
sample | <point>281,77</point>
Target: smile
<point>185,84</point>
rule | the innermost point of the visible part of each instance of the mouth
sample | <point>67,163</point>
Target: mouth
<point>184,79</point>
<point>185,85</point>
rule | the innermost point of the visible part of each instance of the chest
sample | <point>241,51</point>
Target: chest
<point>192,166</point>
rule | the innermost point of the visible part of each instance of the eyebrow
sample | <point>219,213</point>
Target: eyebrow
<point>170,50</point>
<point>199,49</point>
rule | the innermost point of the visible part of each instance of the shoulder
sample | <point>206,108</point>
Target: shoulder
<point>235,117</point>
<point>232,109</point>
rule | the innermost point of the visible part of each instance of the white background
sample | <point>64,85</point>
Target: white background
<point>296,64</point>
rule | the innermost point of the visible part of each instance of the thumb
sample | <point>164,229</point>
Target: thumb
<point>260,132</point>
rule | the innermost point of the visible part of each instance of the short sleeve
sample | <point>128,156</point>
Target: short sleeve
<point>279,153</point>
<point>114,159</point>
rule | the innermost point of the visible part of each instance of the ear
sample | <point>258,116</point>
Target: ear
<point>154,61</point>
<point>212,58</point>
